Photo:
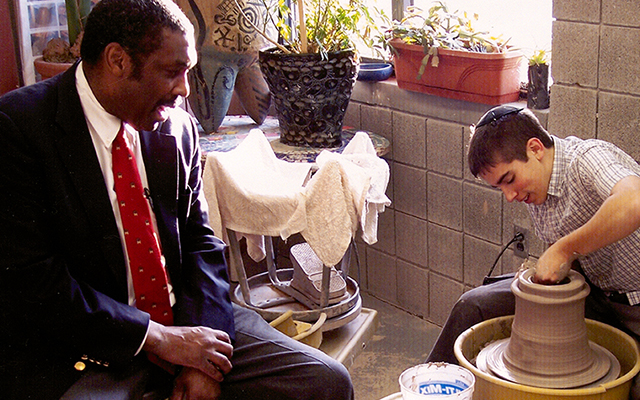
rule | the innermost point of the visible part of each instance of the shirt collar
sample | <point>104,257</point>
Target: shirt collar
<point>558,168</point>
<point>104,125</point>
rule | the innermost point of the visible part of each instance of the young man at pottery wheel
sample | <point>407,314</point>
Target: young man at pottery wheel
<point>584,199</point>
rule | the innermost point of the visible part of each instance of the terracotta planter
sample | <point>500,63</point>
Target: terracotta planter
<point>49,69</point>
<point>488,78</point>
<point>310,94</point>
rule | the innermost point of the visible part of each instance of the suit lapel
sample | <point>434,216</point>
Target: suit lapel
<point>160,154</point>
<point>78,154</point>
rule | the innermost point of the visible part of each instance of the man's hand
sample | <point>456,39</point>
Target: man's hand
<point>553,266</point>
<point>193,384</point>
<point>202,348</point>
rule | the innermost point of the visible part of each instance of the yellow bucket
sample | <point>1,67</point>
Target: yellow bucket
<point>488,387</point>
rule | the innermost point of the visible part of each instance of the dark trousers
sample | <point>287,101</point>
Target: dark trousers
<point>266,365</point>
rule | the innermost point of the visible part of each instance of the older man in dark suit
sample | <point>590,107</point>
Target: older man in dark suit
<point>75,321</point>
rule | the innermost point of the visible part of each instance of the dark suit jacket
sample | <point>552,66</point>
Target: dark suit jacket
<point>63,290</point>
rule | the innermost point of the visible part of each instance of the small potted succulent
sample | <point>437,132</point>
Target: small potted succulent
<point>312,68</point>
<point>440,52</point>
<point>538,85</point>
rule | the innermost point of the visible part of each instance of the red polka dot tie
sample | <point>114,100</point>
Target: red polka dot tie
<point>145,260</point>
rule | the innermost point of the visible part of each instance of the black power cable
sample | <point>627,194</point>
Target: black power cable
<point>516,238</point>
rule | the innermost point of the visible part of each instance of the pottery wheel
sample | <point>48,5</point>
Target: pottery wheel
<point>605,368</point>
<point>270,302</point>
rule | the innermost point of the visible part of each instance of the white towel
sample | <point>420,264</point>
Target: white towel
<point>253,193</point>
<point>369,177</point>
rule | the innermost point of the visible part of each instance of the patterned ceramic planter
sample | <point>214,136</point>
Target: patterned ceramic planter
<point>227,44</point>
<point>488,78</point>
<point>310,94</point>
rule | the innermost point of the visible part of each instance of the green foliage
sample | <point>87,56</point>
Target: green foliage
<point>77,12</point>
<point>439,28</point>
<point>539,57</point>
<point>330,25</point>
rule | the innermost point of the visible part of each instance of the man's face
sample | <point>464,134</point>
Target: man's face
<point>161,82</point>
<point>527,182</point>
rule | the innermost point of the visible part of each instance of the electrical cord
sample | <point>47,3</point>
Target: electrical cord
<point>516,238</point>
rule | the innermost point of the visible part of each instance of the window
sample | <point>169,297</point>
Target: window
<point>41,21</point>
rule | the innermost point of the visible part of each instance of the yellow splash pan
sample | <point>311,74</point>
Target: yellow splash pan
<point>488,387</point>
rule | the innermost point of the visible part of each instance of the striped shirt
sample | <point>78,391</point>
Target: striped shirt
<point>583,175</point>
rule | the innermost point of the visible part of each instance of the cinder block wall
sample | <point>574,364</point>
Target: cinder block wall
<point>445,229</point>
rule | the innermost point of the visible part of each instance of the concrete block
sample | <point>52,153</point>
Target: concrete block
<point>620,59</point>
<point>573,111</point>
<point>387,94</point>
<point>445,251</point>
<point>577,10</point>
<point>443,294</point>
<point>352,116</point>
<point>445,149</point>
<point>515,213</point>
<point>413,288</point>
<point>621,12</point>
<point>575,57</point>
<point>379,121</point>
<point>482,208</point>
<point>479,256</point>
<point>411,239</point>
<point>381,275</point>
<point>410,186</point>
<point>466,137</point>
<point>389,191</point>
<point>444,196</point>
<point>358,265</point>
<point>618,117</point>
<point>410,139</point>
<point>386,232</point>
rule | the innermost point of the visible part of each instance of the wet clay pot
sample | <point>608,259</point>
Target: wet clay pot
<point>549,346</point>
<point>310,94</point>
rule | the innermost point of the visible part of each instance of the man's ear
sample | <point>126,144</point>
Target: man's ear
<point>535,146</point>
<point>117,61</point>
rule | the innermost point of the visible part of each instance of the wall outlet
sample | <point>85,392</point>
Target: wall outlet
<point>521,247</point>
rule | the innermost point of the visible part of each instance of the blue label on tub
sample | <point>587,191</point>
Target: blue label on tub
<point>437,387</point>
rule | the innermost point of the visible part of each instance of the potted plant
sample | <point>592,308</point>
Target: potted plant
<point>311,69</point>
<point>538,76</point>
<point>59,54</point>
<point>439,52</point>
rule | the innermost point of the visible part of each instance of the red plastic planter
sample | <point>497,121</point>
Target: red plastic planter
<point>488,78</point>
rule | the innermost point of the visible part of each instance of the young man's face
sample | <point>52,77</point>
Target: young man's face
<point>161,82</point>
<point>522,181</point>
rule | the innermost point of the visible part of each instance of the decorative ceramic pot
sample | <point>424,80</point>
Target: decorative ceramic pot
<point>310,94</point>
<point>488,78</point>
<point>227,44</point>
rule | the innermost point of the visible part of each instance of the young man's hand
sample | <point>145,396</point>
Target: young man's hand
<point>553,266</point>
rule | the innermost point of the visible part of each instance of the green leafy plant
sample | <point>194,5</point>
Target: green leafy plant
<point>439,28</point>
<point>539,57</point>
<point>329,25</point>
